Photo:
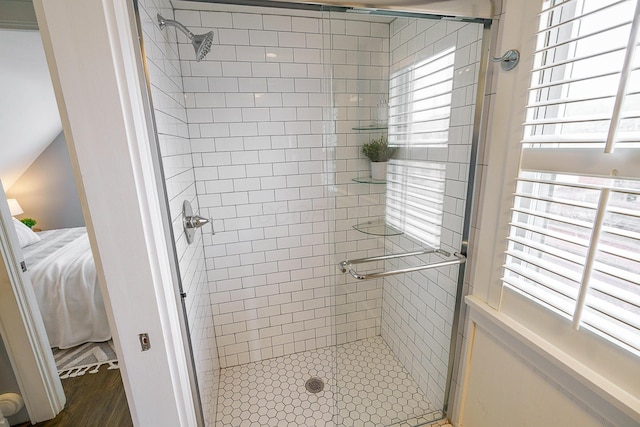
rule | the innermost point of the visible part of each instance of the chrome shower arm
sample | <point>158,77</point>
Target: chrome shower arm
<point>170,22</point>
<point>201,43</point>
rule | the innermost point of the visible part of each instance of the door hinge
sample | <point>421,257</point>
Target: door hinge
<point>23,265</point>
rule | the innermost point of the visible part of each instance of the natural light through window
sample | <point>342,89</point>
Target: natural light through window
<point>574,244</point>
<point>419,116</point>
<point>415,198</point>
<point>420,102</point>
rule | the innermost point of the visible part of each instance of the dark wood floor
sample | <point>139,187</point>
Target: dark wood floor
<point>93,400</point>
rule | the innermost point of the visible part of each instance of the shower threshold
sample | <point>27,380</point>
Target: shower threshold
<point>368,387</point>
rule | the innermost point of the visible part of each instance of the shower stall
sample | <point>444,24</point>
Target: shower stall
<point>319,296</point>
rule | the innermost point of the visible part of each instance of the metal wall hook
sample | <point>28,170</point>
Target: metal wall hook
<point>509,60</point>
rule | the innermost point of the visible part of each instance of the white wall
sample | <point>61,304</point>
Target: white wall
<point>505,390</point>
<point>27,98</point>
<point>175,146</point>
<point>47,190</point>
<point>268,168</point>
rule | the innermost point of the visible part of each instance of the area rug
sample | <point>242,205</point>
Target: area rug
<point>89,357</point>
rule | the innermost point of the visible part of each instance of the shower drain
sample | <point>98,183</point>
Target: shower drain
<point>314,385</point>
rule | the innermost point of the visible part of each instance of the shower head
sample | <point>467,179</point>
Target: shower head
<point>201,42</point>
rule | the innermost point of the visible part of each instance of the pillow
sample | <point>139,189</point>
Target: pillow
<point>26,237</point>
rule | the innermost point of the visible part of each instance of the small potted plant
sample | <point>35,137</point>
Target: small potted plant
<point>29,222</point>
<point>378,152</point>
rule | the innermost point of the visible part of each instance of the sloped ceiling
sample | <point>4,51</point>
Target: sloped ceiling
<point>18,14</point>
<point>29,118</point>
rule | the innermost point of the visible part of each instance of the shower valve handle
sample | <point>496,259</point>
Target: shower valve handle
<point>197,221</point>
<point>190,221</point>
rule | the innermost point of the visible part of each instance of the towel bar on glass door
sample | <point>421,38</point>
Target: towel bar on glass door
<point>458,259</point>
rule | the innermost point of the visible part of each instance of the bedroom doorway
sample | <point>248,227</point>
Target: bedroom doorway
<point>111,160</point>
<point>91,384</point>
<point>46,215</point>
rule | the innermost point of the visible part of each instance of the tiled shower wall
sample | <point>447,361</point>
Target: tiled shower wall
<point>360,82</point>
<point>270,175</point>
<point>418,308</point>
<point>272,157</point>
<point>170,115</point>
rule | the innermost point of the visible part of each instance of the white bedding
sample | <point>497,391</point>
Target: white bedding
<point>64,280</point>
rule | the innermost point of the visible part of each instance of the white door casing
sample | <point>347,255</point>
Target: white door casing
<point>95,63</point>
<point>22,329</point>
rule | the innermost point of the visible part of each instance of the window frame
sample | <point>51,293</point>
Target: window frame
<point>587,354</point>
<point>558,40</point>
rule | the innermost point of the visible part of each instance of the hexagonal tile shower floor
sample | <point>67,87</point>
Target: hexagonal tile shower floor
<point>370,386</point>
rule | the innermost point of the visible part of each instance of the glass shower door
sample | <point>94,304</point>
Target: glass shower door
<point>410,83</point>
<point>268,132</point>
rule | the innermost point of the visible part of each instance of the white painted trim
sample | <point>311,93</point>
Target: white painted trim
<point>459,401</point>
<point>597,389</point>
<point>597,392</point>
<point>516,30</point>
<point>583,161</point>
<point>94,56</point>
<point>22,329</point>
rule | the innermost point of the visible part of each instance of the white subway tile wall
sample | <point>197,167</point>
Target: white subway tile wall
<point>173,135</point>
<point>261,135</point>
<point>272,160</point>
<point>418,308</point>
<point>359,55</point>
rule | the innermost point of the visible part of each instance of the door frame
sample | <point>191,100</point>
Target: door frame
<point>22,329</point>
<point>95,62</point>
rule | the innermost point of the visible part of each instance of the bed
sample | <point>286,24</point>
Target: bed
<point>64,279</point>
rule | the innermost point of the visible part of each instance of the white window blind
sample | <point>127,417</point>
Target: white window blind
<point>419,115</point>
<point>415,199</point>
<point>420,102</point>
<point>574,243</point>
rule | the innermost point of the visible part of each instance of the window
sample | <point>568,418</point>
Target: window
<point>419,116</point>
<point>415,199</point>
<point>420,102</point>
<point>574,243</point>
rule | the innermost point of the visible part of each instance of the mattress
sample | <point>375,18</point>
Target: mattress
<point>65,283</point>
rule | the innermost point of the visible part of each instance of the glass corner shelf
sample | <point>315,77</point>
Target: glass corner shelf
<point>377,228</point>
<point>371,127</point>
<point>368,180</point>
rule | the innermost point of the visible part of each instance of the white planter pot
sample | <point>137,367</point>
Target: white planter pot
<point>379,171</point>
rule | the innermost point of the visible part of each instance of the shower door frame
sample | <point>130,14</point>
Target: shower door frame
<point>152,129</point>
<point>479,128</point>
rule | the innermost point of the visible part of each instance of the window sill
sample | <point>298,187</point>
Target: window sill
<point>620,406</point>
